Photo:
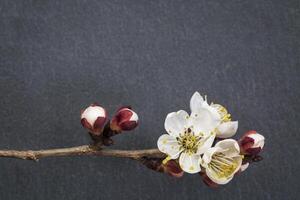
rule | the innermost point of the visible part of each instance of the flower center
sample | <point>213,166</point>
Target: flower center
<point>188,141</point>
<point>222,166</point>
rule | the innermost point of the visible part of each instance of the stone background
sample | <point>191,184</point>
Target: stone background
<point>56,57</point>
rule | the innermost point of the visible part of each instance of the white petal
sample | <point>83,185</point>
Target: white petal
<point>176,122</point>
<point>203,121</point>
<point>239,160</point>
<point>190,163</point>
<point>205,144</point>
<point>227,129</point>
<point>230,147</point>
<point>211,174</point>
<point>168,145</point>
<point>244,167</point>
<point>196,102</point>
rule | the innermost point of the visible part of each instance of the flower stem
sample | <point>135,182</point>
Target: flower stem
<point>85,150</point>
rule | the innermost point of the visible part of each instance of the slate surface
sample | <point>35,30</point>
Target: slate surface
<point>58,56</point>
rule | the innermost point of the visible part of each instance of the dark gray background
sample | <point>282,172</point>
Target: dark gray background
<point>56,57</point>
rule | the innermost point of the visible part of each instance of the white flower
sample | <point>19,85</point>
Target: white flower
<point>222,161</point>
<point>225,128</point>
<point>189,136</point>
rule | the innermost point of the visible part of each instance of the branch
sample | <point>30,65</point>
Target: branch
<point>85,150</point>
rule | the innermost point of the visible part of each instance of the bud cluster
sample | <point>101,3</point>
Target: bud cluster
<point>95,119</point>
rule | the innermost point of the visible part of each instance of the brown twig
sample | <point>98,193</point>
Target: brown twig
<point>81,151</point>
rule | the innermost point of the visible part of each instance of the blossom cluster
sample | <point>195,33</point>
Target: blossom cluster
<point>200,143</point>
<point>95,119</point>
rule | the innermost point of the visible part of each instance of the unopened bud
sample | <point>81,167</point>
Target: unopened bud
<point>124,120</point>
<point>251,143</point>
<point>94,118</point>
<point>173,169</point>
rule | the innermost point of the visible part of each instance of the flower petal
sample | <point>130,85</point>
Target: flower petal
<point>216,179</point>
<point>244,167</point>
<point>203,121</point>
<point>239,160</point>
<point>227,129</point>
<point>205,144</point>
<point>190,163</point>
<point>196,102</point>
<point>176,122</point>
<point>206,158</point>
<point>230,147</point>
<point>169,145</point>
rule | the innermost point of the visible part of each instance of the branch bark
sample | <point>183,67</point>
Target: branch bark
<point>85,150</point>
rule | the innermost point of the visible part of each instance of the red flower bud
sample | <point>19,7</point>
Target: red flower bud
<point>251,143</point>
<point>173,169</point>
<point>124,120</point>
<point>94,118</point>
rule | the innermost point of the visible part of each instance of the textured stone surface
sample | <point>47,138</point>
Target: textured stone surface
<point>57,57</point>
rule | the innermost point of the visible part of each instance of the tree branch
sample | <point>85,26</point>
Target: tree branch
<point>85,150</point>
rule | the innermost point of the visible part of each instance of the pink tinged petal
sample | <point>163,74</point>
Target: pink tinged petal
<point>227,129</point>
<point>252,143</point>
<point>176,122</point>
<point>196,102</point>
<point>93,118</point>
<point>259,140</point>
<point>92,113</point>
<point>190,163</point>
<point>169,145</point>
<point>124,120</point>
<point>205,144</point>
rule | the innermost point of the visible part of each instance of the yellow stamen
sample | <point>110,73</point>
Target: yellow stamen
<point>188,141</point>
<point>222,166</point>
